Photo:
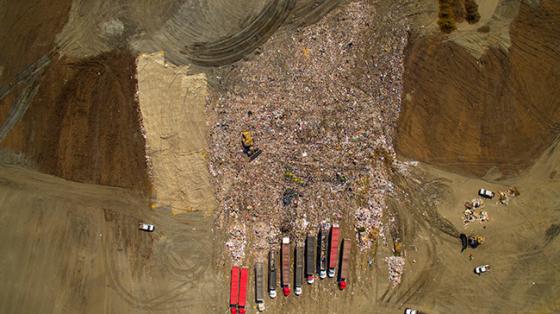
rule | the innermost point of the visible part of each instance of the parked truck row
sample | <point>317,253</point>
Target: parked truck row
<point>320,255</point>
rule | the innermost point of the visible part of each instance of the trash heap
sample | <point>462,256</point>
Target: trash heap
<point>396,269</point>
<point>505,196</point>
<point>321,104</point>
<point>474,211</point>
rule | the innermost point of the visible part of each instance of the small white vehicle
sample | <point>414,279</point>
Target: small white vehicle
<point>323,274</point>
<point>410,311</point>
<point>146,227</point>
<point>486,193</point>
<point>272,294</point>
<point>481,269</point>
<point>298,290</point>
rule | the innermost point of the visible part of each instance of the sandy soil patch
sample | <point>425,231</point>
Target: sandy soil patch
<point>172,104</point>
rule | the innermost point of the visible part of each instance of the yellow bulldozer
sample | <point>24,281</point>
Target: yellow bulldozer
<point>248,144</point>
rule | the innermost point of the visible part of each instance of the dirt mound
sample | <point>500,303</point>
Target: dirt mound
<point>502,110</point>
<point>83,124</point>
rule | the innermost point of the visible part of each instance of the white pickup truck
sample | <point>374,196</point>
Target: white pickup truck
<point>486,193</point>
<point>481,269</point>
<point>146,227</point>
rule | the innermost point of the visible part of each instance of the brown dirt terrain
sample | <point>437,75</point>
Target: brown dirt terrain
<point>75,248</point>
<point>500,111</point>
<point>36,25</point>
<point>84,123</point>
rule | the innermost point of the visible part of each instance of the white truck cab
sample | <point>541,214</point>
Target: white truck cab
<point>410,311</point>
<point>481,269</point>
<point>486,193</point>
<point>146,227</point>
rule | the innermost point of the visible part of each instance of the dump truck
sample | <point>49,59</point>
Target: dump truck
<point>343,270</point>
<point>333,249</point>
<point>310,259</point>
<point>272,274</point>
<point>259,286</point>
<point>322,254</point>
<point>234,290</point>
<point>285,252</point>
<point>243,281</point>
<point>298,273</point>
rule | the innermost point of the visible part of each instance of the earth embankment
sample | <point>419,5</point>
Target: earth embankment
<point>498,110</point>
<point>83,123</point>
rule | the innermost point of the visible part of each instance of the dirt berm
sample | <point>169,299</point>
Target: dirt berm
<point>499,112</point>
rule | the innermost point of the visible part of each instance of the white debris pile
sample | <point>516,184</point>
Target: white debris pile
<point>396,269</point>
<point>474,211</point>
<point>237,240</point>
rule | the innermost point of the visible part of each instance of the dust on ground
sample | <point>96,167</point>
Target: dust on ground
<point>174,125</point>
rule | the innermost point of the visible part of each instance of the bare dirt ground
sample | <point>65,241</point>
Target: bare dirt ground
<point>172,104</point>
<point>499,110</point>
<point>75,248</point>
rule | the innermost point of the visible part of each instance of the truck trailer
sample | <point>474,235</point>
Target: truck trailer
<point>343,270</point>
<point>310,259</point>
<point>234,290</point>
<point>243,281</point>
<point>259,286</point>
<point>272,274</point>
<point>285,252</point>
<point>322,254</point>
<point>298,273</point>
<point>333,249</point>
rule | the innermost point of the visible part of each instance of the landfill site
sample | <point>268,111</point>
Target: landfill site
<point>280,156</point>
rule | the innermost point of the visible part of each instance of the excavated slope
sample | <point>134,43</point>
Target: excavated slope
<point>470,115</point>
<point>83,124</point>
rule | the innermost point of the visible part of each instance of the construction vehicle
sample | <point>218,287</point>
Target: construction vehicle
<point>322,254</point>
<point>259,286</point>
<point>298,273</point>
<point>310,259</point>
<point>333,249</point>
<point>243,280</point>
<point>343,270</point>
<point>475,240</point>
<point>285,256</point>
<point>272,274</point>
<point>248,144</point>
<point>234,290</point>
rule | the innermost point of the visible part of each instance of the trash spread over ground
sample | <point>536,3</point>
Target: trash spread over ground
<point>319,105</point>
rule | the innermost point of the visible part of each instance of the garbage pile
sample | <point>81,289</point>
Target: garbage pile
<point>396,269</point>
<point>474,211</point>
<point>321,104</point>
<point>505,196</point>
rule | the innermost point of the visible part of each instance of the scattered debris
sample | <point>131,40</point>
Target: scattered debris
<point>505,196</point>
<point>396,269</point>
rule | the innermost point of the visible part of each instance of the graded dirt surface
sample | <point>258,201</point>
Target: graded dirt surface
<point>76,248</point>
<point>173,120</point>
<point>501,110</point>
